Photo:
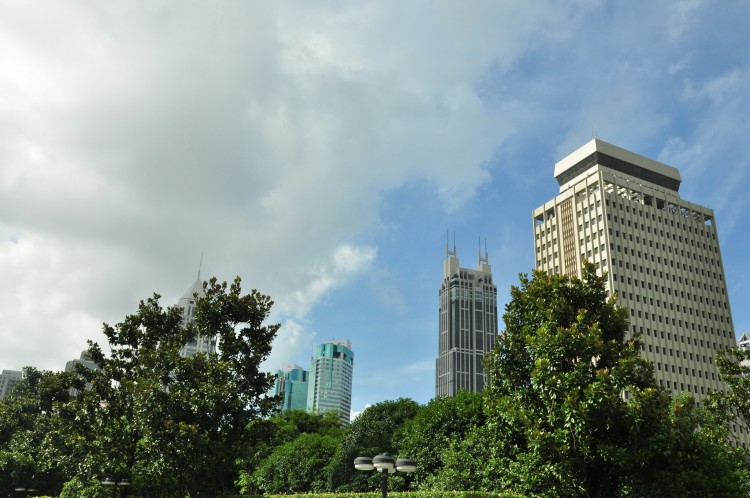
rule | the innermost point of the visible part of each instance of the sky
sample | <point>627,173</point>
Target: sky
<point>322,150</point>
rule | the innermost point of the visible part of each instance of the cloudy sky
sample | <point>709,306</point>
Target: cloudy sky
<point>320,150</point>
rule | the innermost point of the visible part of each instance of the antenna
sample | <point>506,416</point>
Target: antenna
<point>486,258</point>
<point>448,252</point>
<point>200,265</point>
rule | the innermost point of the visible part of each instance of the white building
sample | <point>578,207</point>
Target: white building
<point>187,302</point>
<point>8,380</point>
<point>329,385</point>
<point>744,341</point>
<point>623,212</point>
<point>467,325</point>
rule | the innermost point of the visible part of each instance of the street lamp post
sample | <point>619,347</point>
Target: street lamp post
<point>385,464</point>
<point>120,485</point>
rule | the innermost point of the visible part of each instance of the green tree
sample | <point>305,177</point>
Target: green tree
<point>441,423</point>
<point>29,420</point>
<point>298,466</point>
<point>733,406</point>
<point>575,409</point>
<point>176,425</point>
<point>371,433</point>
<point>272,434</point>
<point>686,455</point>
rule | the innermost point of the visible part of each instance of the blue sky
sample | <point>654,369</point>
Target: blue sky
<point>321,150</point>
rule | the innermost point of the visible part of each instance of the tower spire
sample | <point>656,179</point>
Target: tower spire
<point>448,252</point>
<point>200,265</point>
<point>486,258</point>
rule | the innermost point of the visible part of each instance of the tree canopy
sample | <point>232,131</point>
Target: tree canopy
<point>574,409</point>
<point>175,425</point>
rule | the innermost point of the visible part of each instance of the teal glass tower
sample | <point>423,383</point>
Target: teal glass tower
<point>330,380</point>
<point>291,383</point>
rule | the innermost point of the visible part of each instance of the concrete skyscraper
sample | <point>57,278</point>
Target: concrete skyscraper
<point>187,304</point>
<point>467,325</point>
<point>291,383</point>
<point>330,379</point>
<point>623,212</point>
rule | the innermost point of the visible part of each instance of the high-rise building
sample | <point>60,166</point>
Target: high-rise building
<point>291,383</point>
<point>330,379</point>
<point>623,212</point>
<point>467,325</point>
<point>84,360</point>
<point>8,380</point>
<point>201,344</point>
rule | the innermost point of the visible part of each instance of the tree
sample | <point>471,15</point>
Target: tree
<point>370,434</point>
<point>733,407</point>
<point>443,422</point>
<point>29,420</point>
<point>298,466</point>
<point>273,442</point>
<point>176,425</point>
<point>575,410</point>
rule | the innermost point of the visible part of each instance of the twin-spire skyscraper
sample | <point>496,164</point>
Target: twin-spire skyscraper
<point>467,324</point>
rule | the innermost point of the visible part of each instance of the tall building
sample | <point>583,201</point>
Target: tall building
<point>330,379</point>
<point>8,380</point>
<point>291,383</point>
<point>623,212</point>
<point>467,325</point>
<point>84,360</point>
<point>200,344</point>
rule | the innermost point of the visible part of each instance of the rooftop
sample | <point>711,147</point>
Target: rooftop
<point>598,152</point>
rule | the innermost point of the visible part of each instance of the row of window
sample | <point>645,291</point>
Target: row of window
<point>677,279</point>
<point>693,389</point>
<point>688,214</point>
<point>672,306</point>
<point>675,237</point>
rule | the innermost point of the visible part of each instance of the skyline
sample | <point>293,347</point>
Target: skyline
<point>321,152</point>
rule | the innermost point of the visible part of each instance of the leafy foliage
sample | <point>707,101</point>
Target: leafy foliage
<point>443,422</point>
<point>273,438</point>
<point>299,466</point>
<point>733,407</point>
<point>575,409</point>
<point>28,424</point>
<point>176,424</point>
<point>370,434</point>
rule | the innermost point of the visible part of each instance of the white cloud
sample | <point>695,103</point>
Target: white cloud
<point>135,136</point>
<point>292,341</point>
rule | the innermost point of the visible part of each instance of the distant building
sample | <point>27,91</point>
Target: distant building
<point>467,325</point>
<point>200,344</point>
<point>84,360</point>
<point>330,379</point>
<point>8,381</point>
<point>291,383</point>
<point>744,341</point>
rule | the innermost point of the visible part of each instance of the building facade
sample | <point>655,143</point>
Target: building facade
<point>291,384</point>
<point>467,325</point>
<point>8,380</point>
<point>623,212</point>
<point>186,303</point>
<point>330,379</point>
